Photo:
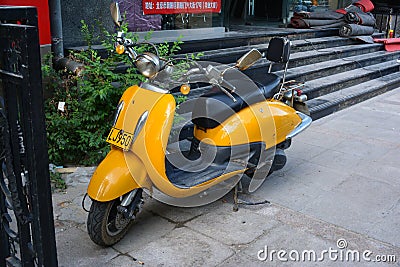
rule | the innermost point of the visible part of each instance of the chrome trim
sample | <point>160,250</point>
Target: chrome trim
<point>141,121</point>
<point>128,198</point>
<point>118,111</point>
<point>153,88</point>
<point>305,122</point>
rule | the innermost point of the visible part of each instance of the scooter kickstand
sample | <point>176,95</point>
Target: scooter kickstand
<point>237,201</point>
<point>235,198</point>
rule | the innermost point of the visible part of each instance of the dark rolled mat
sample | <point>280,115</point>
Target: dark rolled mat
<point>355,30</point>
<point>329,14</point>
<point>316,23</point>
<point>361,18</point>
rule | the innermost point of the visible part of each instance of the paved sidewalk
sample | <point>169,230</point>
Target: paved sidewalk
<point>341,182</point>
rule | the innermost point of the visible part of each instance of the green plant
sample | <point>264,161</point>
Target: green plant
<point>76,131</point>
<point>57,181</point>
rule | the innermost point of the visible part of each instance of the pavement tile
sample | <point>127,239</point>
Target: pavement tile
<point>365,149</point>
<point>71,212</point>
<point>74,248</point>
<point>291,163</point>
<point>177,214</point>
<point>285,237</point>
<point>390,103</point>
<point>327,231</point>
<point>303,151</point>
<point>182,247</point>
<point>386,136</point>
<point>325,140</point>
<point>62,198</point>
<point>332,125</point>
<point>67,208</point>
<point>388,227</point>
<point>147,228</point>
<point>392,157</point>
<point>241,259</point>
<point>288,191</point>
<point>122,261</point>
<point>337,161</point>
<point>231,227</point>
<point>301,233</point>
<point>389,174</point>
<point>319,177</point>
<point>368,116</point>
<point>356,199</point>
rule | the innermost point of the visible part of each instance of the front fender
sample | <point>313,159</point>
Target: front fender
<point>113,178</point>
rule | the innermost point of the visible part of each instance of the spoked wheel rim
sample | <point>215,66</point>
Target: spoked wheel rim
<point>116,221</point>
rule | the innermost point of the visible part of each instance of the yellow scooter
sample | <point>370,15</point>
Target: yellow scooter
<point>237,130</point>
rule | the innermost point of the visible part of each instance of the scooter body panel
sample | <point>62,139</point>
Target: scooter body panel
<point>151,142</point>
<point>113,178</point>
<point>268,122</point>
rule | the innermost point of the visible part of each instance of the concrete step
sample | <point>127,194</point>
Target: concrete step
<point>214,42</point>
<point>299,59</point>
<point>337,71</point>
<point>328,84</point>
<point>322,69</point>
<point>230,55</point>
<point>331,53</point>
<point>325,42</point>
<point>249,37</point>
<point>329,103</point>
<point>327,65</point>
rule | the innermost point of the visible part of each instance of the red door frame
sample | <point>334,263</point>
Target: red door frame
<point>43,16</point>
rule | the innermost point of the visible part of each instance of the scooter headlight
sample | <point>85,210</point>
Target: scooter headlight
<point>118,111</point>
<point>147,64</point>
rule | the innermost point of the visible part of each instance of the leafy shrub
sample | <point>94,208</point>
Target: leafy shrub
<point>76,135</point>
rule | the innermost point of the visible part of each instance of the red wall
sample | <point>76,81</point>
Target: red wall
<point>43,16</point>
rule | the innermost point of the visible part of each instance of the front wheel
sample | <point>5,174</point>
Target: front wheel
<point>105,224</point>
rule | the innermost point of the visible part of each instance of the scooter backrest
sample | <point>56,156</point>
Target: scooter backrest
<point>278,50</point>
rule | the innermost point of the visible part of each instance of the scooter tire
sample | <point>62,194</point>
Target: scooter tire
<point>101,223</point>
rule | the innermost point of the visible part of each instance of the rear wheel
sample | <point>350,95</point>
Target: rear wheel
<point>106,225</point>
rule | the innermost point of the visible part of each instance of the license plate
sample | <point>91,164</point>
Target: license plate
<point>120,138</point>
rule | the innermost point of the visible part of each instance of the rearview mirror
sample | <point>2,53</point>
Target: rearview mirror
<point>248,59</point>
<point>115,14</point>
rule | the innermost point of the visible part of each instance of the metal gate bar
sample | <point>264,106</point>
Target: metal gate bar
<point>26,194</point>
<point>384,14</point>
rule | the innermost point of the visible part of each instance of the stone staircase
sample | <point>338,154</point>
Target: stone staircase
<point>337,72</point>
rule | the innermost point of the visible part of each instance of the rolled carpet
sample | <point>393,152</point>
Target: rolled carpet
<point>360,18</point>
<point>391,44</point>
<point>298,23</point>
<point>337,25</point>
<point>365,5</point>
<point>354,30</point>
<point>316,23</point>
<point>329,14</point>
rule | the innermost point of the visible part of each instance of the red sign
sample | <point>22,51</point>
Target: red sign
<point>43,16</point>
<point>181,6</point>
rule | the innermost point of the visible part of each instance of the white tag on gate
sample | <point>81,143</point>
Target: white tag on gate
<point>61,106</point>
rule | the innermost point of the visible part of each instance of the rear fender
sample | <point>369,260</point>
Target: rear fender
<point>113,178</point>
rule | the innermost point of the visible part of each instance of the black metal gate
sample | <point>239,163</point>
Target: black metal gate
<point>387,14</point>
<point>26,223</point>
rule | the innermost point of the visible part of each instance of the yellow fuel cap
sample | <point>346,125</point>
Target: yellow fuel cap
<point>120,49</point>
<point>185,89</point>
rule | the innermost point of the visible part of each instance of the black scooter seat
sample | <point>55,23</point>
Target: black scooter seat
<point>214,107</point>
